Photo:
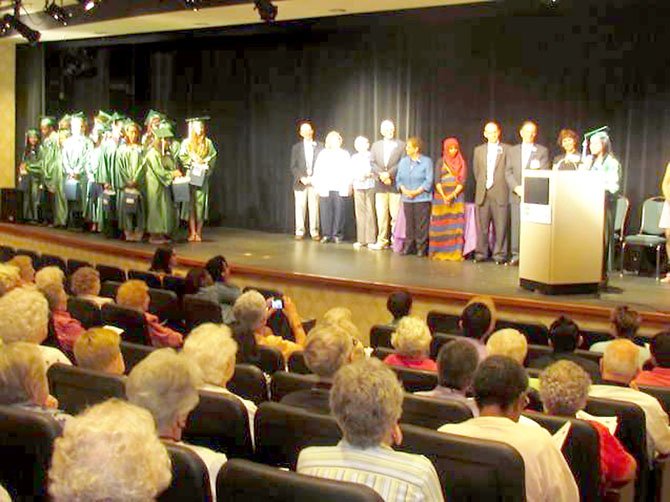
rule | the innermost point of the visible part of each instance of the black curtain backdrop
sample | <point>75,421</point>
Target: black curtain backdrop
<point>437,73</point>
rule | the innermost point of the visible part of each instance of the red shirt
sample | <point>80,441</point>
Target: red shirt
<point>67,329</point>
<point>424,363</point>
<point>658,377</point>
<point>615,461</point>
<point>162,336</point>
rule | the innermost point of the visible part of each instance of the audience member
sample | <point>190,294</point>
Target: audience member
<point>327,349</point>
<point>456,365</point>
<point>343,318</point>
<point>166,384</point>
<point>212,349</point>
<point>625,324</point>
<point>399,304</point>
<point>659,376</point>
<point>508,342</point>
<point>411,341</point>
<point>25,265</point>
<point>366,400</point>
<point>477,322</point>
<point>99,349</point>
<point>500,391</point>
<point>134,294</point>
<point>10,278</point>
<point>564,389</point>
<point>23,381</point>
<point>163,260</point>
<point>24,317</point>
<point>85,284</point>
<point>620,366</point>
<point>226,292</point>
<point>109,452</point>
<point>564,338</point>
<point>49,280</point>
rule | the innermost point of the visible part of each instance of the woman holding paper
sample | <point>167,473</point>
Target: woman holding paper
<point>198,156</point>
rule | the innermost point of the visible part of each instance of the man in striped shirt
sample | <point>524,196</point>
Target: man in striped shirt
<point>366,399</point>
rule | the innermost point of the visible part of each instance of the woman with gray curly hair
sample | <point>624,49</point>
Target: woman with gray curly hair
<point>564,389</point>
<point>411,341</point>
<point>85,284</point>
<point>119,437</point>
<point>366,400</point>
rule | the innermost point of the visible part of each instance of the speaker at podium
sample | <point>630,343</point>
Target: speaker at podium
<point>561,235</point>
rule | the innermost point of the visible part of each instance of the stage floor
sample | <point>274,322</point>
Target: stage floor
<point>281,254</point>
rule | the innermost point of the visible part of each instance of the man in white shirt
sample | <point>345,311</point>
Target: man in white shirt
<point>366,399</point>
<point>500,391</point>
<point>303,157</point>
<point>619,367</point>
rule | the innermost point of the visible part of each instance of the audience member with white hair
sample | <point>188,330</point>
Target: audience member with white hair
<point>366,400</point>
<point>620,366</point>
<point>24,317</point>
<point>328,348</point>
<point>411,341</point>
<point>85,284</point>
<point>166,384</point>
<point>109,452</point>
<point>508,342</point>
<point>364,193</point>
<point>25,265</point>
<point>564,389</point>
<point>23,381</point>
<point>99,349</point>
<point>10,278</point>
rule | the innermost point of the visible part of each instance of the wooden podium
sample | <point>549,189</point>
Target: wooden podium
<point>561,237</point>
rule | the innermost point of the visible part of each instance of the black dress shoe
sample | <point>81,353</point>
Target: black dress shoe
<point>325,240</point>
<point>500,262</point>
<point>406,252</point>
<point>514,262</point>
<point>479,259</point>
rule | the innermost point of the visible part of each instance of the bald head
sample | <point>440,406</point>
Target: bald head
<point>620,362</point>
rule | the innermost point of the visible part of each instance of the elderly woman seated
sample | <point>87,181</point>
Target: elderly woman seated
<point>49,280</point>
<point>10,278</point>
<point>23,380</point>
<point>564,389</point>
<point>366,400</point>
<point>251,312</point>
<point>99,349</point>
<point>508,342</point>
<point>134,295</point>
<point>109,452</point>
<point>166,384</point>
<point>411,341</point>
<point>213,350</point>
<point>24,317</point>
<point>25,265</point>
<point>328,348</point>
<point>85,284</point>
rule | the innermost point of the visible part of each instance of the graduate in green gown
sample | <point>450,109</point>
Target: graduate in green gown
<point>107,173</point>
<point>160,169</point>
<point>31,169</point>
<point>129,167</point>
<point>52,167</point>
<point>94,168</point>
<point>198,157</point>
<point>151,122</point>
<point>76,150</point>
<point>44,153</point>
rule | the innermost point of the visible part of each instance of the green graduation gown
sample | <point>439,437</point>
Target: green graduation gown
<point>199,195</point>
<point>31,197</point>
<point>76,151</point>
<point>158,175</point>
<point>130,169</point>
<point>52,168</point>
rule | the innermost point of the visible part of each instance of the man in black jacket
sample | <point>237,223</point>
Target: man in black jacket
<point>303,158</point>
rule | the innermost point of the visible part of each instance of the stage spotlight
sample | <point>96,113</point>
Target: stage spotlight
<point>88,4</point>
<point>192,4</point>
<point>57,12</point>
<point>266,10</point>
<point>10,22</point>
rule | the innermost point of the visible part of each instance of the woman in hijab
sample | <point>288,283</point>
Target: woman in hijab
<point>447,217</point>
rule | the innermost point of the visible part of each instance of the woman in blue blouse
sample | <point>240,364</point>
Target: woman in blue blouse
<point>415,182</point>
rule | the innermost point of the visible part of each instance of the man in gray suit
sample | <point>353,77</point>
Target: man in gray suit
<point>385,155</point>
<point>526,155</point>
<point>491,194</point>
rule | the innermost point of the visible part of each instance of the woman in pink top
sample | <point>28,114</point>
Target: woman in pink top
<point>411,342</point>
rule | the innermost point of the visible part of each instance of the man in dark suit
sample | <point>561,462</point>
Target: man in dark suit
<point>385,155</point>
<point>303,158</point>
<point>491,194</point>
<point>525,155</point>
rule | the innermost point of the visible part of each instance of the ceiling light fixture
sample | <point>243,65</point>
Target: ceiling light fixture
<point>11,22</point>
<point>57,12</point>
<point>266,10</point>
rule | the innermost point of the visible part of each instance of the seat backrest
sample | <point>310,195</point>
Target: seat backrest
<point>590,337</point>
<point>441,322</point>
<point>651,215</point>
<point>283,431</point>
<point>662,394</point>
<point>6,253</point>
<point>249,382</point>
<point>536,352</point>
<point>468,468</point>
<point>165,305</point>
<point>133,353</point>
<point>439,339</point>
<point>581,450</point>
<point>243,481</point>
<point>152,280</point>
<point>284,382</point>
<point>87,312</point>
<point>432,413</point>
<point>621,215</point>
<point>175,284</point>
<point>73,265</point>
<point>535,333</point>
<point>50,260</point>
<point>132,323</point>
<point>199,311</point>
<point>416,380</point>
<point>296,363</point>
<point>270,359</point>
<point>190,479</point>
<point>382,352</point>
<point>109,273</point>
<point>220,422</point>
<point>380,336</point>
<point>109,289</point>
<point>26,443</point>
<point>77,388</point>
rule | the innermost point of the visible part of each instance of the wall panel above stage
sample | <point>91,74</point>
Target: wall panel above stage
<point>437,72</point>
<point>7,114</point>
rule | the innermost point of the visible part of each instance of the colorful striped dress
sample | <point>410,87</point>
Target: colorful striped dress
<point>447,221</point>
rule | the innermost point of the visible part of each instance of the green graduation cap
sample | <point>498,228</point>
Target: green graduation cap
<point>198,119</point>
<point>32,133</point>
<point>164,130</point>
<point>153,114</point>
<point>78,115</point>
<point>599,130</point>
<point>102,118</point>
<point>117,117</point>
<point>48,120</point>
<point>65,122</point>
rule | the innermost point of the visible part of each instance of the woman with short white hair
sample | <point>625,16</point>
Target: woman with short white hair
<point>109,452</point>
<point>24,317</point>
<point>10,278</point>
<point>411,341</point>
<point>166,384</point>
<point>85,284</point>
<point>25,265</point>
<point>508,342</point>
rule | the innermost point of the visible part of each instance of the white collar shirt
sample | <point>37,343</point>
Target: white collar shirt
<point>526,153</point>
<point>309,155</point>
<point>492,150</point>
<point>389,146</point>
